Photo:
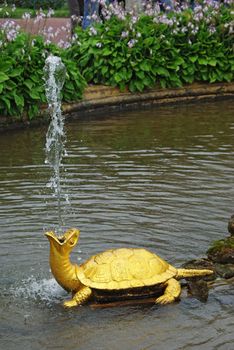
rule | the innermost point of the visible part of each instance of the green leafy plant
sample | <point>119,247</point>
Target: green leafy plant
<point>208,52</point>
<point>22,89</point>
<point>164,49</point>
<point>169,50</point>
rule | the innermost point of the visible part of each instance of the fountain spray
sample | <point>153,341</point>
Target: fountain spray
<point>55,73</point>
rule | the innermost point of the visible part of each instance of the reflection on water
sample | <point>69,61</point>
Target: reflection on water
<point>161,179</point>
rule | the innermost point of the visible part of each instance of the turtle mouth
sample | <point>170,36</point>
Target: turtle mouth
<point>60,239</point>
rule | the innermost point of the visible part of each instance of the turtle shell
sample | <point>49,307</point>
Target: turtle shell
<point>124,268</point>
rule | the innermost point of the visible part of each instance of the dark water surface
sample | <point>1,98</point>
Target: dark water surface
<point>161,179</point>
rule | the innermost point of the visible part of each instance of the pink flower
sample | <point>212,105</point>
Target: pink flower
<point>64,44</point>
<point>50,13</point>
<point>125,34</point>
<point>26,15</point>
<point>131,43</point>
<point>92,31</point>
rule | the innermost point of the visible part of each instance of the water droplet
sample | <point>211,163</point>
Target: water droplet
<point>46,290</point>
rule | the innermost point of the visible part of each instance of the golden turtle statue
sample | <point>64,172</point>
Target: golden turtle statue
<point>118,272</point>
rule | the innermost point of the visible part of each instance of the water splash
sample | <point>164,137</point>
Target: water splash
<point>54,74</point>
<point>46,290</point>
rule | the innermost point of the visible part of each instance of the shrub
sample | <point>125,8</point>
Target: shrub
<point>134,52</point>
<point>21,74</point>
<point>169,49</point>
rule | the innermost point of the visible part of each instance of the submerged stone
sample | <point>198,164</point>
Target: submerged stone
<point>225,270</point>
<point>198,289</point>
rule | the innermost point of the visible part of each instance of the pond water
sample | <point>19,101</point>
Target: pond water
<point>162,179</point>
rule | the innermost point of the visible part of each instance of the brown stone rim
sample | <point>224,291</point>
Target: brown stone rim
<point>98,98</point>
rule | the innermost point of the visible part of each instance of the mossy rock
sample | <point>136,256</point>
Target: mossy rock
<point>222,251</point>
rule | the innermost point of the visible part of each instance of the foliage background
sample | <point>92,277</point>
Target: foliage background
<point>165,49</point>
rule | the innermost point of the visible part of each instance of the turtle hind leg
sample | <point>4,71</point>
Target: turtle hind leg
<point>171,293</point>
<point>79,297</point>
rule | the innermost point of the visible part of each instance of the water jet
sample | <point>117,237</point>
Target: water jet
<point>55,73</point>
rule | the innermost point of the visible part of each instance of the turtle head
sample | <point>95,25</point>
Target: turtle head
<point>63,244</point>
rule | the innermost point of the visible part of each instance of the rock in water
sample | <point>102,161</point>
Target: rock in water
<point>198,289</point>
<point>197,286</point>
<point>231,225</point>
<point>225,270</point>
<point>222,251</point>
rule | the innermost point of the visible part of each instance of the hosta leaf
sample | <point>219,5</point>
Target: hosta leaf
<point>3,77</point>
<point>212,62</point>
<point>19,100</point>
<point>193,58</point>
<point>202,61</point>
<point>29,83</point>
<point>162,71</point>
<point>16,72</point>
<point>7,102</point>
<point>145,66</point>
<point>34,95</point>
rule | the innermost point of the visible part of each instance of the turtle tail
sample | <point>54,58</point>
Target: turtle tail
<point>183,273</point>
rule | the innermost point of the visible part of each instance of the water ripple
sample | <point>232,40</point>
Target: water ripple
<point>161,180</point>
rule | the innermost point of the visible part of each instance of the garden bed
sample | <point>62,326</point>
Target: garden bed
<point>125,60</point>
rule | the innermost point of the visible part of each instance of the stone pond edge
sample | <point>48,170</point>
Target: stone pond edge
<point>98,99</point>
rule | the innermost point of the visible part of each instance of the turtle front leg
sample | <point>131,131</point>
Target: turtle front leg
<point>171,293</point>
<point>79,297</point>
